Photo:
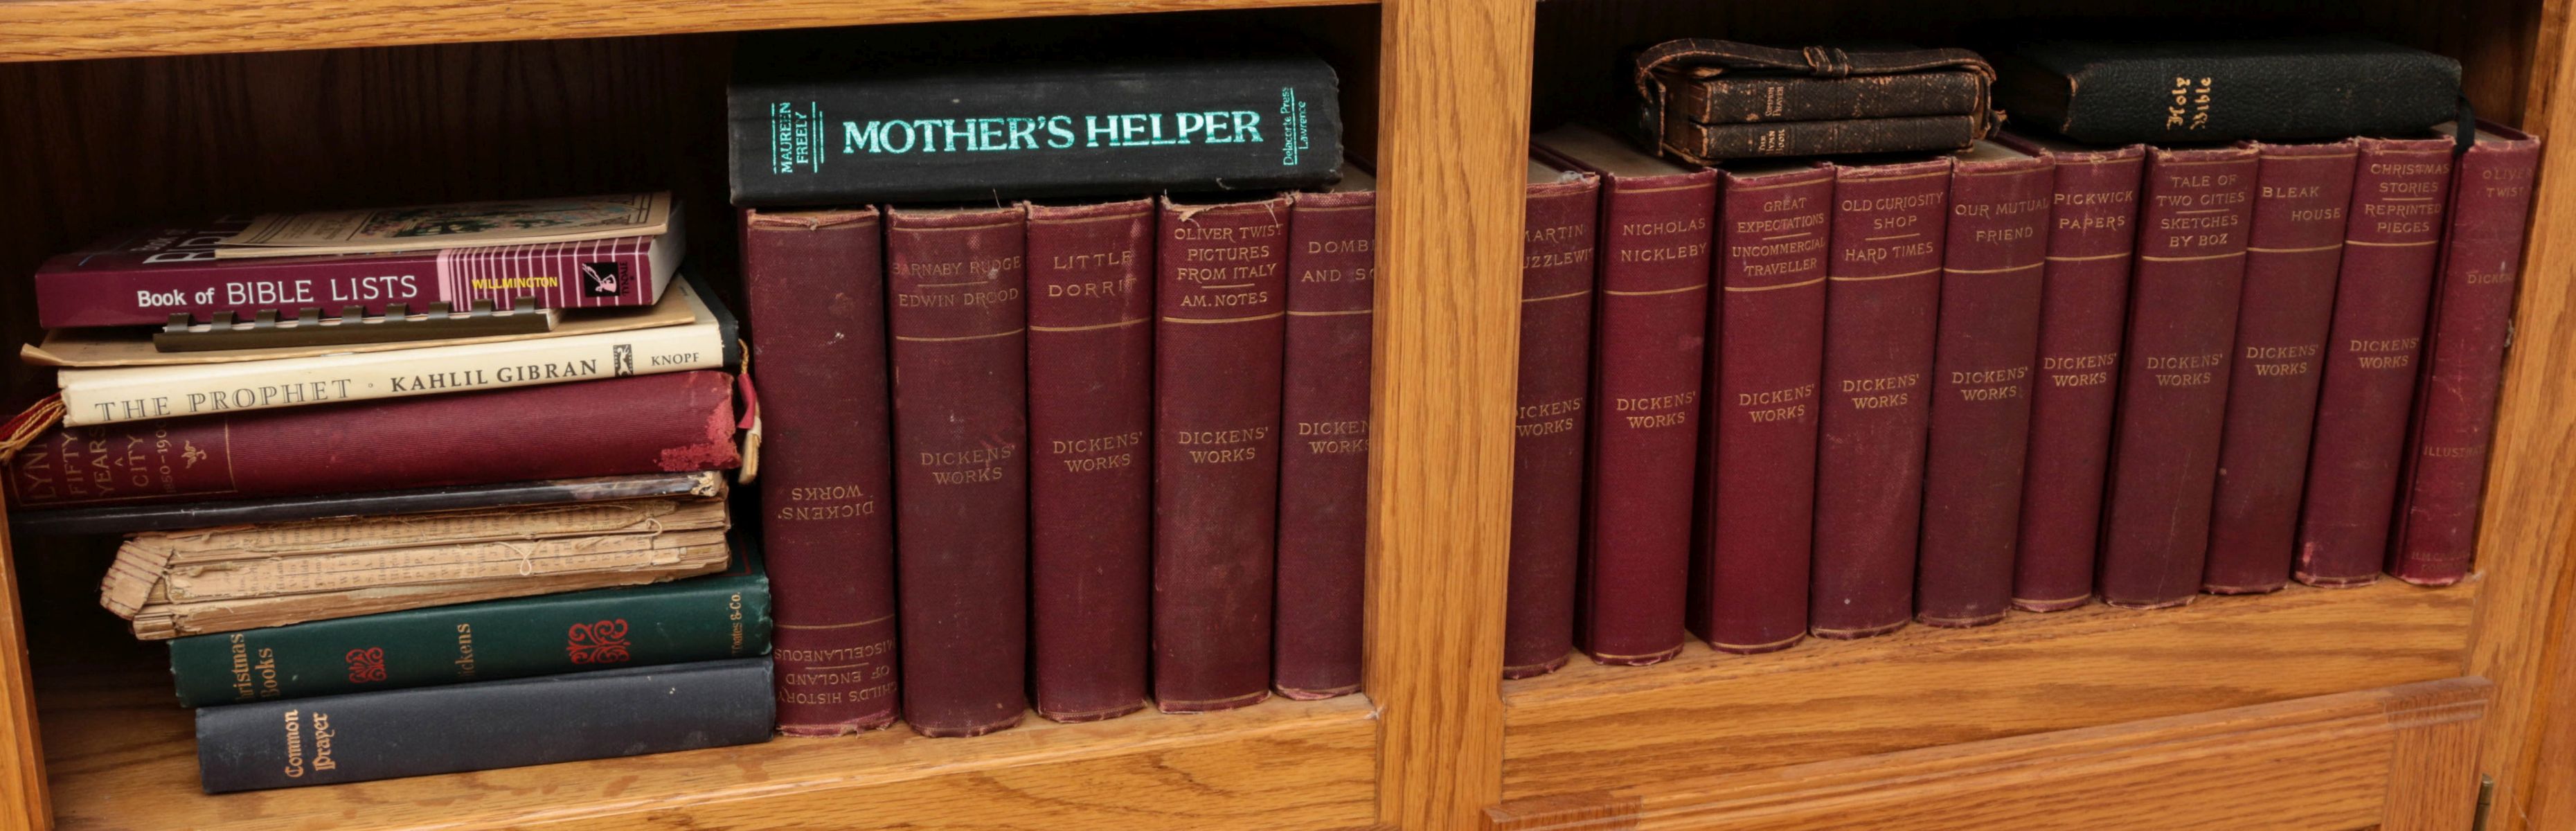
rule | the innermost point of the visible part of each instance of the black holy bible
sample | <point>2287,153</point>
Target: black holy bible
<point>2119,92</point>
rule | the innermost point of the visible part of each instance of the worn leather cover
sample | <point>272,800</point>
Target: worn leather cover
<point>816,282</point>
<point>2301,196</point>
<point>1747,99</point>
<point>1550,417</point>
<point>956,280</point>
<point>1649,327</point>
<point>488,726</point>
<point>1675,79</point>
<point>1217,353</point>
<point>682,421</point>
<point>2173,385</point>
<point>1900,134</point>
<point>1882,298</point>
<point>1091,472</point>
<point>1756,507</point>
<point>2471,319</point>
<point>2398,215</point>
<point>2325,87</point>
<point>1324,447</point>
<point>1991,267</point>
<point>2083,307</point>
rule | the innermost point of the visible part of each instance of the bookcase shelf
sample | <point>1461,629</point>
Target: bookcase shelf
<point>42,30</point>
<point>122,755</point>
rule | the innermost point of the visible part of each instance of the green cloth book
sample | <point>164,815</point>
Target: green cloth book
<point>697,619</point>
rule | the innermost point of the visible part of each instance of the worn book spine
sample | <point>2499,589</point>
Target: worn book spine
<point>1757,463</point>
<point>2389,260</point>
<point>1095,128</point>
<point>1091,485</point>
<point>1549,422</point>
<point>1995,251</point>
<point>704,619</point>
<point>2083,305</point>
<point>956,282</point>
<point>1324,451</point>
<point>142,277</point>
<point>1825,138</point>
<point>2301,194</point>
<point>127,519</point>
<point>1757,98</point>
<point>816,287</point>
<point>2173,384</point>
<point>661,423</point>
<point>105,396</point>
<point>1882,295</point>
<point>1220,271</point>
<point>1648,330</point>
<point>484,726</point>
<point>2472,319</point>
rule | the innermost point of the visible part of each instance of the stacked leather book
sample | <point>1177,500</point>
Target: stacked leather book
<point>461,465</point>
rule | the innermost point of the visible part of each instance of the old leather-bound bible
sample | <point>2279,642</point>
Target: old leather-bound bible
<point>1706,100</point>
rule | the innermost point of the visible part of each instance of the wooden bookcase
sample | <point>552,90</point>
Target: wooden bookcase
<point>2311,708</point>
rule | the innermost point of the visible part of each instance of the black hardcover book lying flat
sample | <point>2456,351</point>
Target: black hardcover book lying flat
<point>484,726</point>
<point>2114,92</point>
<point>810,127</point>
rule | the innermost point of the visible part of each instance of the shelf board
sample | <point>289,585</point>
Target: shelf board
<point>39,30</point>
<point>1707,713</point>
<point>122,756</point>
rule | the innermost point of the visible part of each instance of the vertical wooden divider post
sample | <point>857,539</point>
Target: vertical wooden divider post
<point>1453,142</point>
<point>24,803</point>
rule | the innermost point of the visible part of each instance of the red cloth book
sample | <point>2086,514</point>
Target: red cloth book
<point>1880,303</point>
<point>1548,424</point>
<point>1091,474</point>
<point>1324,422</point>
<point>2173,385</point>
<point>1991,266</point>
<point>1757,462</point>
<point>2472,318</point>
<point>957,279</point>
<point>816,282</point>
<point>2301,195</point>
<point>682,421</point>
<point>2398,205</point>
<point>2083,305</point>
<point>1217,353</point>
<point>1648,330</point>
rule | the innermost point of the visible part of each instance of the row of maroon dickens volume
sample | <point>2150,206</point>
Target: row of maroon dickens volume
<point>2016,376</point>
<point>1127,458</point>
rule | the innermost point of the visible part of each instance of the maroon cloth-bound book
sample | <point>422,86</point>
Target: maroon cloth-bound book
<point>1323,458</point>
<point>1217,354</point>
<point>145,275</point>
<point>1091,471</point>
<point>2301,192</point>
<point>1972,467</point>
<point>956,280</point>
<point>816,282</point>
<point>2083,305</point>
<point>1757,462</point>
<point>2472,317</point>
<point>674,422</point>
<point>2173,384</point>
<point>2399,199</point>
<point>1648,328</point>
<point>1881,302</point>
<point>1548,424</point>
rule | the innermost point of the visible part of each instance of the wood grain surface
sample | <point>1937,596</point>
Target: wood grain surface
<point>25,804</point>
<point>1590,726</point>
<point>1453,151</point>
<point>38,30</point>
<point>124,758</point>
<point>2396,758</point>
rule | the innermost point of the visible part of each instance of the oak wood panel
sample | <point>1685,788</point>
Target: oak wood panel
<point>2529,522</point>
<point>123,757</point>
<point>1453,158</point>
<point>36,30</point>
<point>1705,712</point>
<point>2328,763</point>
<point>24,803</point>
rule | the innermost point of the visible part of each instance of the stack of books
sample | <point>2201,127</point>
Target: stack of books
<point>411,490</point>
